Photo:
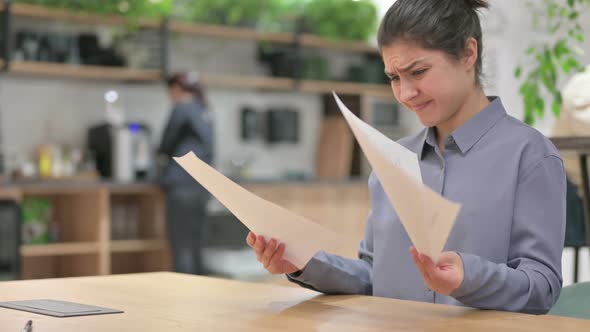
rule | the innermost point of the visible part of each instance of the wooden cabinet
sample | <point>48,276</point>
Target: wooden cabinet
<point>83,215</point>
<point>86,219</point>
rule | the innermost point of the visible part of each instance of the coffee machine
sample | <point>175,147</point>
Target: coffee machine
<point>122,150</point>
<point>122,153</point>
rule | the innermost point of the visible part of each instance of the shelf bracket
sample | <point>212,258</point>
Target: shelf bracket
<point>164,46</point>
<point>298,51</point>
<point>6,35</point>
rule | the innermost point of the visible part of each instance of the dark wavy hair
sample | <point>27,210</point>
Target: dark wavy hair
<point>443,25</point>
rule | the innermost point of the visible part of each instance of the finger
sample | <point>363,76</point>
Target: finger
<point>415,254</point>
<point>416,257</point>
<point>259,247</point>
<point>419,265</point>
<point>251,239</point>
<point>423,269</point>
<point>427,262</point>
<point>269,252</point>
<point>277,259</point>
<point>427,265</point>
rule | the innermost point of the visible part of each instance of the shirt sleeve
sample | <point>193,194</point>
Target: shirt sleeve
<point>333,274</point>
<point>531,279</point>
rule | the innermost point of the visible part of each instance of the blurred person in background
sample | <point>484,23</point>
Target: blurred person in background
<point>189,128</point>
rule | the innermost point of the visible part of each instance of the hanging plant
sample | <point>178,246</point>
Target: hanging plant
<point>551,60</point>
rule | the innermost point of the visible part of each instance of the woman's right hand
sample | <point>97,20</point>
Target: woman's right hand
<point>270,254</point>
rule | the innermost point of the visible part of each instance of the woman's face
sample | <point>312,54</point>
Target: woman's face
<point>428,82</point>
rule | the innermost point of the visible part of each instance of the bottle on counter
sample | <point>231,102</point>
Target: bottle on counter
<point>45,159</point>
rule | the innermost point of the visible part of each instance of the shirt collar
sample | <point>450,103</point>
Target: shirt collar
<point>471,131</point>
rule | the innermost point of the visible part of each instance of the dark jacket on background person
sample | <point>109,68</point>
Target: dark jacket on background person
<point>189,128</point>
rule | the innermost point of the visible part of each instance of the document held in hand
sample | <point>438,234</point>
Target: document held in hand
<point>426,216</point>
<point>302,237</point>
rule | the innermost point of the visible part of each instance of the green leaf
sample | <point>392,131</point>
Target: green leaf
<point>570,3</point>
<point>556,108</point>
<point>573,63</point>
<point>560,48</point>
<point>530,50</point>
<point>551,11</point>
<point>580,38</point>
<point>563,12</point>
<point>573,16</point>
<point>528,117</point>
<point>565,65</point>
<point>540,106</point>
<point>524,88</point>
<point>558,98</point>
<point>518,72</point>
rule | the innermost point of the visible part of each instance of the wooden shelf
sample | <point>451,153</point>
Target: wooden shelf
<point>42,12</point>
<point>379,90</point>
<point>134,189</point>
<point>12,194</point>
<point>43,189</point>
<point>197,29</point>
<point>221,31</point>
<point>137,245</point>
<point>253,82</point>
<point>83,71</point>
<point>58,249</point>
<point>353,46</point>
<point>229,32</point>
<point>288,84</point>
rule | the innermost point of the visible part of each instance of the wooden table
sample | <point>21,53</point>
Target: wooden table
<point>167,301</point>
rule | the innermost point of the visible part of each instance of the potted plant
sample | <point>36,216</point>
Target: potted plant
<point>551,59</point>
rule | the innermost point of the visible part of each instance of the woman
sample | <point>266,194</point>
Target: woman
<point>504,251</point>
<point>188,129</point>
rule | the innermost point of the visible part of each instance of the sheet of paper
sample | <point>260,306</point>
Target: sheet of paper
<point>302,237</point>
<point>427,217</point>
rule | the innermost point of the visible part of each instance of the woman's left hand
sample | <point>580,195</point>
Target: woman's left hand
<point>445,275</point>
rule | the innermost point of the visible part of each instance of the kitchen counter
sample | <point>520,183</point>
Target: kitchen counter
<point>142,186</point>
<point>341,205</point>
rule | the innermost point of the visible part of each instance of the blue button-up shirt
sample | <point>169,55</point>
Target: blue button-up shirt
<point>510,181</point>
